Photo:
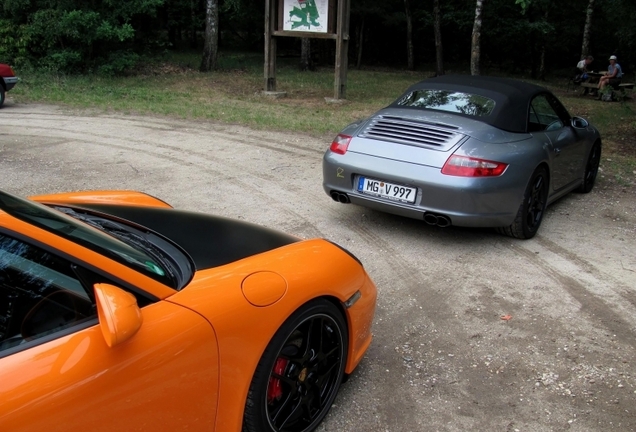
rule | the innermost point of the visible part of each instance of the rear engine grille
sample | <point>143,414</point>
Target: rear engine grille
<point>411,132</point>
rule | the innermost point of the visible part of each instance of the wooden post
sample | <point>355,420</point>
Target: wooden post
<point>342,49</point>
<point>270,45</point>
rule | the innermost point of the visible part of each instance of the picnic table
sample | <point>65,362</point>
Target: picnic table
<point>592,81</point>
<point>595,77</point>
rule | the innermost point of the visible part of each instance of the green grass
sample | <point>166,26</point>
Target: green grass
<point>231,95</point>
<point>172,86</point>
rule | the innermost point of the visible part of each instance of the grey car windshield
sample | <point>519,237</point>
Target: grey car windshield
<point>447,100</point>
<point>131,254</point>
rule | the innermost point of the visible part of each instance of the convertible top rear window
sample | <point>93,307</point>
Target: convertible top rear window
<point>450,101</point>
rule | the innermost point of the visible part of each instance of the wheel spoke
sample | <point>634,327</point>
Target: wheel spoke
<point>592,166</point>
<point>333,350</point>
<point>289,381</point>
<point>309,339</point>
<point>536,202</point>
<point>322,380</point>
<point>292,414</point>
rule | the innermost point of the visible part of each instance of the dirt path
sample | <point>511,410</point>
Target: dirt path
<point>442,358</point>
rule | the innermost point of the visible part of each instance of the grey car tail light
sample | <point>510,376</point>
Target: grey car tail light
<point>410,132</point>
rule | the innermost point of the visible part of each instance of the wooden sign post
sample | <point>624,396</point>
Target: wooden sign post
<point>323,19</point>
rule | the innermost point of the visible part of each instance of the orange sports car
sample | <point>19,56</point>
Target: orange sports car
<point>118,312</point>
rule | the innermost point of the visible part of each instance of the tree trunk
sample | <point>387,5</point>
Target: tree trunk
<point>409,35</point>
<point>475,51</point>
<point>211,44</point>
<point>544,44</point>
<point>305,54</point>
<point>193,24</point>
<point>439,52</point>
<point>585,48</point>
<point>541,75</point>
<point>360,38</point>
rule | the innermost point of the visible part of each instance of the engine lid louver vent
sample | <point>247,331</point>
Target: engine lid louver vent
<point>411,132</point>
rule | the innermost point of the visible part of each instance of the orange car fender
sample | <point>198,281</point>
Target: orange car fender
<point>360,319</point>
<point>311,269</point>
<point>165,377</point>
<point>131,276</point>
<point>120,197</point>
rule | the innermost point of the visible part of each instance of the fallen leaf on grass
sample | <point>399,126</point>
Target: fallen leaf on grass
<point>506,317</point>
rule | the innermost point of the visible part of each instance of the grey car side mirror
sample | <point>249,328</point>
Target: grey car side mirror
<point>579,123</point>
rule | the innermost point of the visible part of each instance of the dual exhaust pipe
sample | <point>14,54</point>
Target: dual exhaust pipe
<point>430,218</point>
<point>340,197</point>
<point>437,219</point>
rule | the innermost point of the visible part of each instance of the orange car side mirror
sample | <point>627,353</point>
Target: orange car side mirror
<point>119,315</point>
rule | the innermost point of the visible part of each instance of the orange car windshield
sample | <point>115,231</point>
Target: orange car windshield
<point>131,253</point>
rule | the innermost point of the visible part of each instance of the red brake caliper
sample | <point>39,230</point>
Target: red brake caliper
<point>275,389</point>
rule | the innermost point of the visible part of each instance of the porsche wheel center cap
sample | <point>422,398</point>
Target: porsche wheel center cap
<point>302,376</point>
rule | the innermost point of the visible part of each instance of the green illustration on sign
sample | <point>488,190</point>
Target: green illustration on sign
<point>304,15</point>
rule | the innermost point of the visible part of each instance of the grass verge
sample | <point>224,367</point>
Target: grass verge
<point>233,94</point>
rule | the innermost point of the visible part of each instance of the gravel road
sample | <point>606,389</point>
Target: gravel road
<point>442,357</point>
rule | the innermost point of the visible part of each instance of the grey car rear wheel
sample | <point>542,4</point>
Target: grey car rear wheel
<point>532,208</point>
<point>591,169</point>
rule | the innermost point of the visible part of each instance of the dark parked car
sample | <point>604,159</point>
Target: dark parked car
<point>469,151</point>
<point>7,81</point>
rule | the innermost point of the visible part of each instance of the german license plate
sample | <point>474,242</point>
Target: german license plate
<point>390,191</point>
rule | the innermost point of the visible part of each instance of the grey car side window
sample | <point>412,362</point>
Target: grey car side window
<point>542,116</point>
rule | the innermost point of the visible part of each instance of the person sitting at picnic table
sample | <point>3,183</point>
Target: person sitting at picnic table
<point>614,75</point>
<point>582,67</point>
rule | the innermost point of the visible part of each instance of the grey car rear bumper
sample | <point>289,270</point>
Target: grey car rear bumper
<point>470,202</point>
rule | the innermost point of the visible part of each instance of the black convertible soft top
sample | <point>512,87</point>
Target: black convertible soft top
<point>512,97</point>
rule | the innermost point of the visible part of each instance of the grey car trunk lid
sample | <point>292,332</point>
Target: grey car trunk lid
<point>425,139</point>
<point>406,139</point>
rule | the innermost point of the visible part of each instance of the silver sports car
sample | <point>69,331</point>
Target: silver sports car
<point>469,151</point>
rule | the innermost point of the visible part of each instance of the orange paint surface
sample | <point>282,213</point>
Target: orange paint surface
<point>191,361</point>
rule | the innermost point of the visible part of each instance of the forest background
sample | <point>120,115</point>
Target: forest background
<point>534,38</point>
<point>203,59</point>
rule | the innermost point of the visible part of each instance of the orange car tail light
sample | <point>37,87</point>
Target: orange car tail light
<point>464,166</point>
<point>340,144</point>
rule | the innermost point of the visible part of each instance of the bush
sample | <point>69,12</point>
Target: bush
<point>118,63</point>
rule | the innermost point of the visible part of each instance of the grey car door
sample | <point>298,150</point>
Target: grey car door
<point>550,125</point>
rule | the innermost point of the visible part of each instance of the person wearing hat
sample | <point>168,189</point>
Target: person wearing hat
<point>614,75</point>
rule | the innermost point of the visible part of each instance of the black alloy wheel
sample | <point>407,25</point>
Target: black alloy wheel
<point>532,208</point>
<point>300,372</point>
<point>591,169</point>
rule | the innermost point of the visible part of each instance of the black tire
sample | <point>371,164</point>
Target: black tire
<point>2,93</point>
<point>300,372</point>
<point>591,169</point>
<point>532,208</point>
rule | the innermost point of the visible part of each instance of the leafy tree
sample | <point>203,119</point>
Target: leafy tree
<point>73,35</point>
<point>518,36</point>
